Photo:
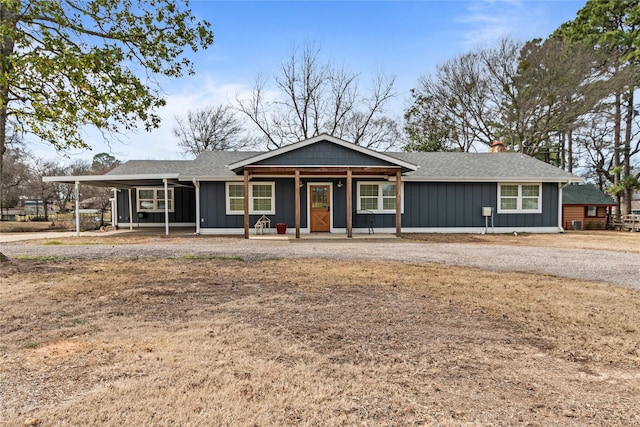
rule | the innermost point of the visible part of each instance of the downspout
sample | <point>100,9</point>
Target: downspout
<point>196,184</point>
<point>166,206</point>
<point>77,194</point>
<point>560,187</point>
<point>114,209</point>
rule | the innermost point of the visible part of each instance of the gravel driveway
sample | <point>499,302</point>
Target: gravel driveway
<point>618,268</point>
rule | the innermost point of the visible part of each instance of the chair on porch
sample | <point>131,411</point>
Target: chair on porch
<point>263,223</point>
<point>365,218</point>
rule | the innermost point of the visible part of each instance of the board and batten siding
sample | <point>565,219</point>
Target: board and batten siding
<point>323,153</point>
<point>213,207</point>
<point>454,205</point>
<point>184,209</point>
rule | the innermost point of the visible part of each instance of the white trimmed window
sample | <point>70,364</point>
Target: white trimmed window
<point>519,198</point>
<point>235,198</point>
<point>377,197</point>
<point>262,198</point>
<point>152,199</point>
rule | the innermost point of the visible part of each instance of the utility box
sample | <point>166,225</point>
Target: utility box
<point>487,211</point>
<point>576,224</point>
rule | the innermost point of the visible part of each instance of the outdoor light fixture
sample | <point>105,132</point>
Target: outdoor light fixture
<point>340,184</point>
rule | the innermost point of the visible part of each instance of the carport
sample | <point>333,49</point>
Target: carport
<point>119,181</point>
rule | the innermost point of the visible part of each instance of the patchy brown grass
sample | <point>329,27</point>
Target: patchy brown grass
<point>34,226</point>
<point>617,241</point>
<point>311,342</point>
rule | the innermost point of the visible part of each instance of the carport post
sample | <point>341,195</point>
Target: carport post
<point>166,207</point>
<point>114,208</point>
<point>77,195</point>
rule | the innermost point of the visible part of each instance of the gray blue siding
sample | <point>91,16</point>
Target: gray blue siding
<point>213,210</point>
<point>324,153</point>
<point>184,211</point>
<point>426,205</point>
<point>450,205</point>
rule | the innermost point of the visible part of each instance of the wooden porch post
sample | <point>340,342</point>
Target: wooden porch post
<point>246,204</point>
<point>349,207</point>
<point>297,201</point>
<point>398,203</point>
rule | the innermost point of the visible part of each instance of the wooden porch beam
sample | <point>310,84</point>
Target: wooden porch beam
<point>321,170</point>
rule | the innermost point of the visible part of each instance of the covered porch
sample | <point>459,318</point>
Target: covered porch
<point>320,192</point>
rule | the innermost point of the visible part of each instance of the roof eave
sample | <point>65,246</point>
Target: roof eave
<point>107,177</point>
<point>491,179</point>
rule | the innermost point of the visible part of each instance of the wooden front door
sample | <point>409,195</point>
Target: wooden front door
<point>320,207</point>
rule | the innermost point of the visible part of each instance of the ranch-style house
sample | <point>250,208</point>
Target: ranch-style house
<point>328,185</point>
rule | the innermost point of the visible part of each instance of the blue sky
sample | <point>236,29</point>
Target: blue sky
<point>402,38</point>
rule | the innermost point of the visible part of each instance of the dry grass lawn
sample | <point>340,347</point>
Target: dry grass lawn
<point>311,342</point>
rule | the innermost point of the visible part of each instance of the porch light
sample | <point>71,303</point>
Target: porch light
<point>340,184</point>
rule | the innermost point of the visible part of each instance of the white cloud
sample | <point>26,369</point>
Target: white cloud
<point>487,21</point>
<point>159,144</point>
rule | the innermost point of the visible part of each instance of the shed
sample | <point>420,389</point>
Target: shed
<point>585,207</point>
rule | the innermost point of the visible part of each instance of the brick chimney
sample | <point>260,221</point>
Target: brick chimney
<point>498,147</point>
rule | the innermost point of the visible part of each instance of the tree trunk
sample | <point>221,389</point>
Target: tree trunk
<point>562,149</point>
<point>616,145</point>
<point>570,151</point>
<point>626,151</point>
<point>8,19</point>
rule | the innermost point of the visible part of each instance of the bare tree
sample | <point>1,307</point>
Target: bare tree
<point>553,88</point>
<point>524,94</point>
<point>39,189</point>
<point>612,28</point>
<point>455,100</point>
<point>15,175</point>
<point>313,97</point>
<point>211,128</point>
<point>62,193</point>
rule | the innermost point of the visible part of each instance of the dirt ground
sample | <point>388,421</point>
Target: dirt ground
<point>203,340</point>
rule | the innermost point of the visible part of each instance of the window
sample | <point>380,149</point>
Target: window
<point>261,198</point>
<point>519,198</point>
<point>152,199</point>
<point>235,198</point>
<point>377,197</point>
<point>592,211</point>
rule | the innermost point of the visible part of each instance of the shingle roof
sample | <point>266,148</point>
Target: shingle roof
<point>586,194</point>
<point>145,167</point>
<point>214,163</point>
<point>481,166</point>
<point>433,166</point>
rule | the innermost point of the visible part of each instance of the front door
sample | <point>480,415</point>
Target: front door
<point>320,208</point>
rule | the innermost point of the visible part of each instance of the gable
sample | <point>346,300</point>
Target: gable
<point>323,150</point>
<point>323,153</point>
